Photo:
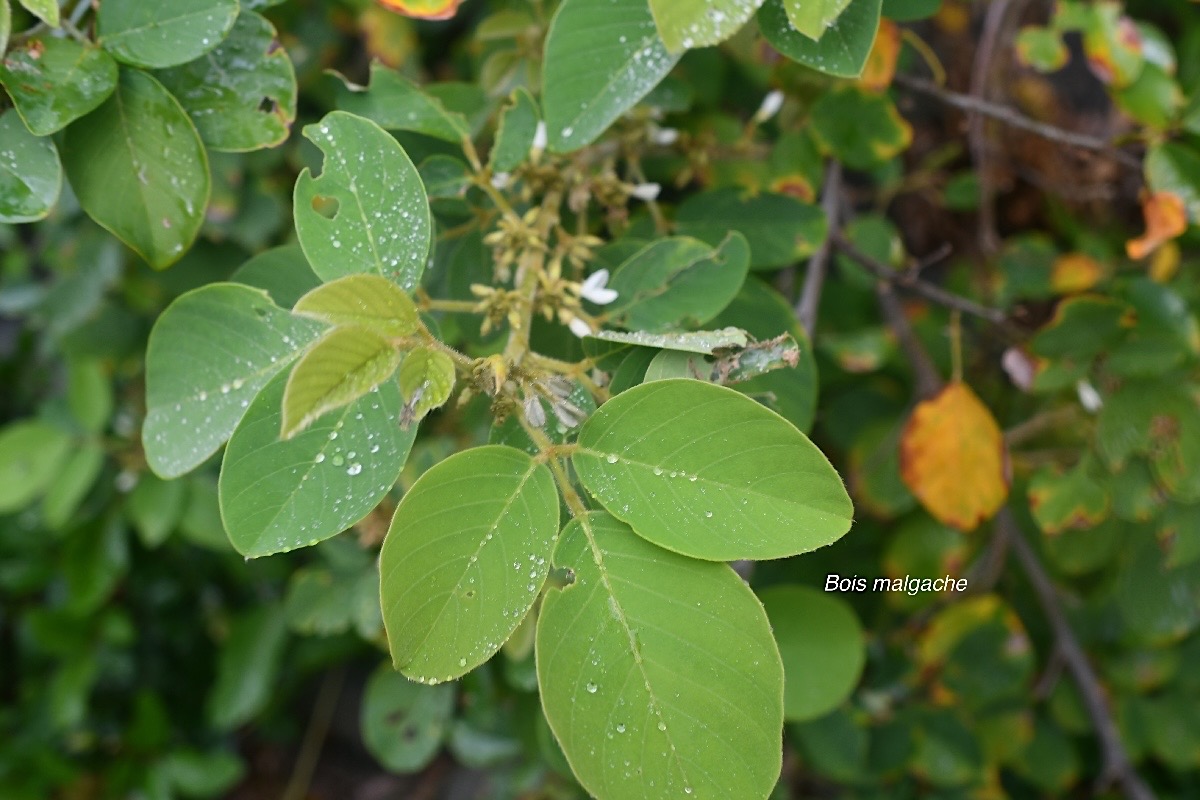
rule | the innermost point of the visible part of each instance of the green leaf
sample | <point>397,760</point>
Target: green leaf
<point>242,95</point>
<point>53,82</point>
<point>465,559</point>
<point>31,454</point>
<point>396,103</point>
<point>141,147</point>
<point>685,24</point>
<point>45,10</point>
<point>30,172</point>
<point>365,301</point>
<point>247,667</point>
<point>278,495</point>
<point>380,221</point>
<point>704,342</point>
<point>1082,327</point>
<point>658,673</point>
<point>602,57</point>
<point>1174,167</point>
<point>910,10</point>
<point>5,26</point>
<point>678,282</point>
<point>71,484</point>
<point>822,646</point>
<point>154,508</point>
<point>814,17</point>
<point>841,51</point>
<point>89,393</point>
<point>781,230</point>
<point>209,355</point>
<point>163,34</point>
<point>859,128</point>
<point>340,368</point>
<point>705,471</point>
<point>283,272</point>
<point>426,381</point>
<point>1075,499</point>
<point>516,133</point>
<point>404,723</point>
<point>196,774</point>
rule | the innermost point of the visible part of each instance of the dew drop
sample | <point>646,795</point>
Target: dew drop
<point>611,458</point>
<point>354,469</point>
<point>591,688</point>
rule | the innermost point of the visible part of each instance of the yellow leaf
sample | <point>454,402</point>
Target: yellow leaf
<point>952,458</point>
<point>1075,272</point>
<point>881,63</point>
<point>423,9</point>
<point>1166,218</point>
<point>1165,264</point>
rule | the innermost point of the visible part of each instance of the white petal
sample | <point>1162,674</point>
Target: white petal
<point>665,136</point>
<point>539,138</point>
<point>1020,367</point>
<point>646,191</point>
<point>579,327</point>
<point>597,280</point>
<point>501,180</point>
<point>770,106</point>
<point>1089,398</point>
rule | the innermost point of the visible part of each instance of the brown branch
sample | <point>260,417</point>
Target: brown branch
<point>818,265</point>
<point>1016,119</point>
<point>910,282</point>
<point>926,374</point>
<point>1118,769</point>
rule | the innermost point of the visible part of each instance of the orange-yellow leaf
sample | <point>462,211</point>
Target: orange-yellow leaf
<point>1075,272</point>
<point>1165,263</point>
<point>388,38</point>
<point>423,9</point>
<point>952,458</point>
<point>881,63</point>
<point>1166,218</point>
<point>796,185</point>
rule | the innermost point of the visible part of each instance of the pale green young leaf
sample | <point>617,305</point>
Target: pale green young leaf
<point>242,95</point>
<point>678,282</point>
<point>163,34</point>
<point>30,172</point>
<point>426,381</point>
<point>822,645</point>
<point>602,57</point>
<point>209,355</point>
<point>141,147</point>
<point>365,301</point>
<point>45,10</point>
<point>277,495</point>
<point>516,133</point>
<point>704,342</point>
<point>53,82</point>
<point>154,508</point>
<point>658,673</point>
<point>341,367</point>
<point>685,24</point>
<point>5,25</point>
<point>31,454</point>
<point>394,102</point>
<point>465,558</point>
<point>842,49</point>
<point>813,17</point>
<point>379,219</point>
<point>705,471</point>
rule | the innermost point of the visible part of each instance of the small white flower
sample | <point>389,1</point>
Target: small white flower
<point>646,191</point>
<point>535,414</point>
<point>579,327</point>
<point>1020,367</point>
<point>595,289</point>
<point>501,180</point>
<point>539,140</point>
<point>770,106</point>
<point>1089,398</point>
<point>664,136</point>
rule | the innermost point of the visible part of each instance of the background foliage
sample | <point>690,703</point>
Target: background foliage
<point>990,205</point>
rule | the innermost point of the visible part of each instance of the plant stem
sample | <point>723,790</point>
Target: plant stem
<point>818,265</point>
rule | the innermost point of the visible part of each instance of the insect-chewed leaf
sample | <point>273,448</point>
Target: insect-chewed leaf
<point>426,381</point>
<point>340,368</point>
<point>952,457</point>
<point>364,301</point>
<point>466,556</point>
<point>650,691</point>
<point>423,9</point>
<point>350,219</point>
<point>706,471</point>
<point>196,392</point>
<point>1072,500</point>
<point>396,103</point>
<point>403,723</point>
<point>280,494</point>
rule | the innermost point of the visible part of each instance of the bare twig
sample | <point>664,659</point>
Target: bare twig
<point>1118,769</point>
<point>1016,119</point>
<point>818,265</point>
<point>926,374</point>
<point>908,280</point>
<point>314,737</point>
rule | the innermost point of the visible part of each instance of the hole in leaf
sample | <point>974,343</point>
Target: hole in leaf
<point>326,206</point>
<point>469,594</point>
<point>267,106</point>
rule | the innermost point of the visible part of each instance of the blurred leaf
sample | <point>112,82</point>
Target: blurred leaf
<point>404,723</point>
<point>30,172</point>
<point>685,24</point>
<point>154,508</point>
<point>396,103</point>
<point>423,9</point>
<point>813,17</point>
<point>1061,501</point>
<point>862,130</point>
<point>952,457</point>
<point>426,381</point>
<point>157,35</point>
<point>53,82</point>
<point>31,454</point>
<point>1166,218</point>
<point>842,49</point>
<point>516,133</point>
<point>248,667</point>
<point>780,229</point>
